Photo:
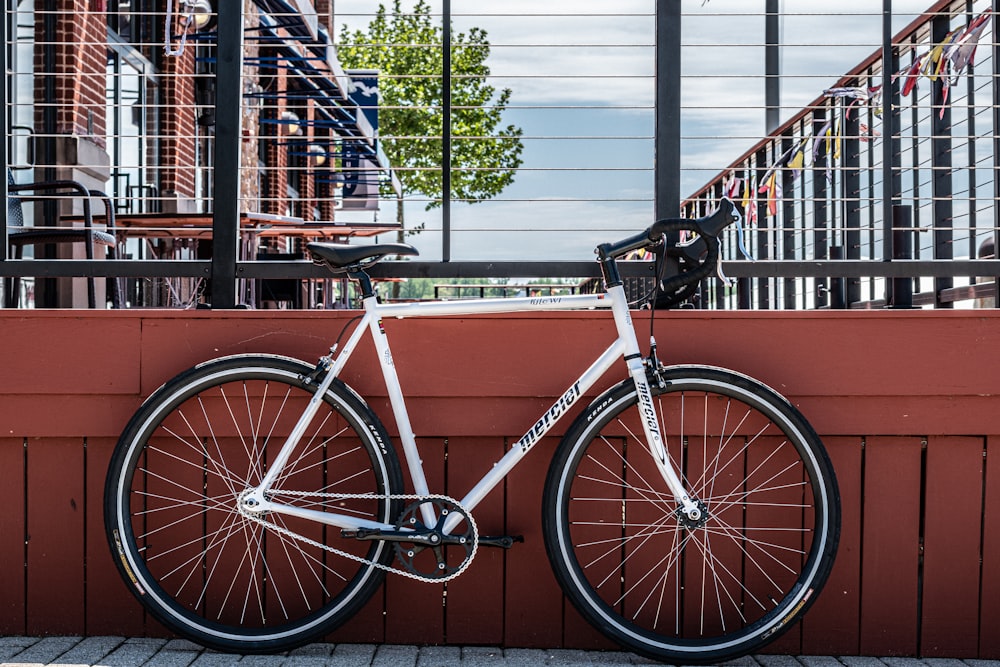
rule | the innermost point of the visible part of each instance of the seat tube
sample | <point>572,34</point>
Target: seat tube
<point>650,419</point>
<point>406,437</point>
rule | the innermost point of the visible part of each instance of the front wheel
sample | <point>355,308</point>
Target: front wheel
<point>692,591</point>
<point>237,580</point>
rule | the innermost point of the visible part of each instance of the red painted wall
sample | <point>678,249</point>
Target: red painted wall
<point>905,402</point>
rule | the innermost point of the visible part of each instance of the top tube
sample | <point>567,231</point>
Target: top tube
<point>487,306</point>
<point>702,256</point>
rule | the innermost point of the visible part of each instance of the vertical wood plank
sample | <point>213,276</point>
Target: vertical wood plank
<point>891,538</point>
<point>776,467</point>
<point>474,603</point>
<point>831,625</point>
<point>601,521</point>
<point>55,514</point>
<point>989,594</point>
<point>952,533</point>
<point>533,601</point>
<point>110,608</point>
<point>365,627</point>
<point>12,535</point>
<point>415,609</point>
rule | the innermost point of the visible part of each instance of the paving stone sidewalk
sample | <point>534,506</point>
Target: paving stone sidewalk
<point>122,652</point>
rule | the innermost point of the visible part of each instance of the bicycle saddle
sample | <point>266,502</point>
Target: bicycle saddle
<point>342,255</point>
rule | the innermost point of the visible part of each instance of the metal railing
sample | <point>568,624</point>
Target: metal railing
<point>618,113</point>
<point>891,164</point>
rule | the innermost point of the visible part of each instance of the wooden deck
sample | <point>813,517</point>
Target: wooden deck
<point>906,403</point>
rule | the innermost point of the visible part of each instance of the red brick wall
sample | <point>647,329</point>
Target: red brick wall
<point>79,67</point>
<point>276,156</point>
<point>307,176</point>
<point>178,119</point>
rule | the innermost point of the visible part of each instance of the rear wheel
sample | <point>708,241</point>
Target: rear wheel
<point>233,580</point>
<point>668,587</point>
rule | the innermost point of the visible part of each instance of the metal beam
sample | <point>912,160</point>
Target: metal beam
<point>484,269</point>
<point>667,165</point>
<point>8,37</point>
<point>941,166</point>
<point>228,138</point>
<point>772,65</point>
<point>446,132</point>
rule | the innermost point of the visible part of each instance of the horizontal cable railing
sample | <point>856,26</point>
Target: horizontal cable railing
<point>889,162</point>
<point>222,159</point>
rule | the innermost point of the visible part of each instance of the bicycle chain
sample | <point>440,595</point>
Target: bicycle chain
<point>388,568</point>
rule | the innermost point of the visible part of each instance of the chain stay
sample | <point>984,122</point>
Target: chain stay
<point>347,496</point>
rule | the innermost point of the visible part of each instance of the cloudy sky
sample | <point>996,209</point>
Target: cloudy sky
<point>582,80</point>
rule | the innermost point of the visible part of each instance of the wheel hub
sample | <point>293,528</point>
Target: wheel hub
<point>694,519</point>
<point>248,503</point>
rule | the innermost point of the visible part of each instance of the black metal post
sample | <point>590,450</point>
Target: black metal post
<point>889,130</point>
<point>762,249</point>
<point>851,195</point>
<point>971,113</point>
<point>902,248</point>
<point>446,131</point>
<point>46,292</point>
<point>772,65</point>
<point>7,33</point>
<point>941,169</point>
<point>789,237</point>
<point>226,208</point>
<point>838,285</point>
<point>891,176</point>
<point>821,218</point>
<point>995,87</point>
<point>667,165</point>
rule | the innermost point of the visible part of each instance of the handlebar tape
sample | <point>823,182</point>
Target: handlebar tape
<point>709,226</point>
<point>704,250</point>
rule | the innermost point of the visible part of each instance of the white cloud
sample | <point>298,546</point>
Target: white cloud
<point>559,57</point>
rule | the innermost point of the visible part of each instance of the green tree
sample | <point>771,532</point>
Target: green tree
<point>406,48</point>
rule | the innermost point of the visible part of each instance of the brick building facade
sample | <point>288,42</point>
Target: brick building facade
<point>115,110</point>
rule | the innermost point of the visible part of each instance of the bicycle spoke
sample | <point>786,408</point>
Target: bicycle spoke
<point>203,442</point>
<point>672,585</point>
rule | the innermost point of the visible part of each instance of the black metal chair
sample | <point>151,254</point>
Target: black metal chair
<point>19,236</point>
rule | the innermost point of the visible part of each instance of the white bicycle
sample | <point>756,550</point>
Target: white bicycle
<point>254,503</point>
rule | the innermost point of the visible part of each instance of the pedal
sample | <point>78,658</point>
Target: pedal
<point>361,534</point>
<point>502,541</point>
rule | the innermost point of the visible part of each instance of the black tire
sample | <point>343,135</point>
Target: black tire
<point>704,593</point>
<point>192,559</point>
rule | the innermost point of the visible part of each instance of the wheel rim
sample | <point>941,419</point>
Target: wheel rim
<point>220,572</point>
<point>733,578</point>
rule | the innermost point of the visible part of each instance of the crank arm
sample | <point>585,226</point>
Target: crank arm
<point>503,541</point>
<point>426,538</point>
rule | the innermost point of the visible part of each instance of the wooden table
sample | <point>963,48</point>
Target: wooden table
<point>182,236</point>
<point>199,226</point>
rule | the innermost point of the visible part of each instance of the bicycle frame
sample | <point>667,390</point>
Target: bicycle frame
<point>625,346</point>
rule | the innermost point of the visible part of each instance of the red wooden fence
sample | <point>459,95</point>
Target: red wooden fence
<point>903,400</point>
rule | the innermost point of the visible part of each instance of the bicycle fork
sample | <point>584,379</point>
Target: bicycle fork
<point>689,509</point>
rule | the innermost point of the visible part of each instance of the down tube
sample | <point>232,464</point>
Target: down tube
<point>541,427</point>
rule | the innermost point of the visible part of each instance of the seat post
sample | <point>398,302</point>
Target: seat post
<point>364,280</point>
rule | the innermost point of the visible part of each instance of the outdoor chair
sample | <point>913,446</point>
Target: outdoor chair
<point>19,236</point>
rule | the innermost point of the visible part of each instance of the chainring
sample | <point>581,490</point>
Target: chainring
<point>429,558</point>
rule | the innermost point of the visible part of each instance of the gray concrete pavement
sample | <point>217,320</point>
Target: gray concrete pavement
<point>122,652</point>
